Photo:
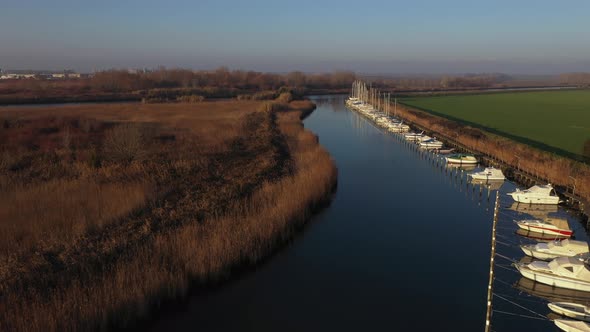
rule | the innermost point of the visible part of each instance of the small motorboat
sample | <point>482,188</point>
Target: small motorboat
<point>412,136</point>
<point>461,158</point>
<point>563,272</point>
<point>571,310</point>
<point>569,325</point>
<point>432,143</point>
<point>488,174</point>
<point>537,194</point>
<point>550,226</point>
<point>554,249</point>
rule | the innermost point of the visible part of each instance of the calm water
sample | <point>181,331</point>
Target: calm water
<point>405,244</point>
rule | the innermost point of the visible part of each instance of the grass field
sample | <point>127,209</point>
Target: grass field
<point>558,121</point>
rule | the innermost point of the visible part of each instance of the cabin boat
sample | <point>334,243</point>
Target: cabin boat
<point>413,136</point>
<point>569,325</point>
<point>488,174</point>
<point>571,310</point>
<point>538,194</point>
<point>550,226</point>
<point>564,272</point>
<point>554,249</point>
<point>432,143</point>
<point>461,158</point>
<point>399,127</point>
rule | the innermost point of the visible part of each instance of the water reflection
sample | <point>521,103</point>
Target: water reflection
<point>489,184</point>
<point>537,211</point>
<point>553,294</point>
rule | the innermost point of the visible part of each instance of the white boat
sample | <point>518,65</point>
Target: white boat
<point>488,174</point>
<point>550,226</point>
<point>413,136</point>
<point>569,325</point>
<point>564,272</point>
<point>571,310</point>
<point>432,143</point>
<point>537,194</point>
<point>461,158</point>
<point>554,249</point>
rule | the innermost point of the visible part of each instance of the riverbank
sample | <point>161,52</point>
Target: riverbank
<point>548,166</point>
<point>221,185</point>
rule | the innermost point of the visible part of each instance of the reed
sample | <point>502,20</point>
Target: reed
<point>251,191</point>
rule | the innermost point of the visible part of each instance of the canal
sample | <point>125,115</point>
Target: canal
<point>403,246</point>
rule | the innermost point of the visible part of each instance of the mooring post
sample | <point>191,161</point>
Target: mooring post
<point>492,255</point>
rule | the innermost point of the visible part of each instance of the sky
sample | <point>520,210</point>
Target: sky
<point>368,36</point>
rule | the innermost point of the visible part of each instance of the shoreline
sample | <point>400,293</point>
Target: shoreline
<point>534,165</point>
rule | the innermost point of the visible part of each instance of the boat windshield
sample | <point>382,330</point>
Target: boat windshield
<point>552,193</point>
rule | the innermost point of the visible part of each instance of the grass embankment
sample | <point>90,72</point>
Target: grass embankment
<point>555,168</point>
<point>106,210</point>
<point>556,121</point>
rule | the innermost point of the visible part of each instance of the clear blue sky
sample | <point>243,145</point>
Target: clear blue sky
<point>518,36</point>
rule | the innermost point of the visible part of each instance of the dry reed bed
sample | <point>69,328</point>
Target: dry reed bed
<point>256,192</point>
<point>552,167</point>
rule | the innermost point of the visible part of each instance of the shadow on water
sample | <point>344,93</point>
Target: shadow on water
<point>404,244</point>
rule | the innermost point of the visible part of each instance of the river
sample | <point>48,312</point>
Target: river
<point>404,245</point>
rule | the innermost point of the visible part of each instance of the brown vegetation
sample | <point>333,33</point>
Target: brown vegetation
<point>218,185</point>
<point>165,85</point>
<point>556,169</point>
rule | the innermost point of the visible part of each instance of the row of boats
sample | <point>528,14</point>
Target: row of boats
<point>561,263</point>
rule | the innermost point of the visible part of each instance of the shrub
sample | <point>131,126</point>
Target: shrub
<point>123,143</point>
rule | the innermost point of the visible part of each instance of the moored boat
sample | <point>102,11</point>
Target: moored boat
<point>571,310</point>
<point>538,194</point>
<point>550,226</point>
<point>554,249</point>
<point>413,136</point>
<point>461,158</point>
<point>432,143</point>
<point>564,272</point>
<point>569,325</point>
<point>489,173</point>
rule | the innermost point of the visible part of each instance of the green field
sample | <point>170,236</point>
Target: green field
<point>558,121</point>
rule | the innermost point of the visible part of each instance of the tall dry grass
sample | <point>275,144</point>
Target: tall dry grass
<point>285,174</point>
<point>62,211</point>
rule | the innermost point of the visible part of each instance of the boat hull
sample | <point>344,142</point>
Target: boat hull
<point>544,230</point>
<point>487,178</point>
<point>571,310</point>
<point>523,198</point>
<point>460,161</point>
<point>553,280</point>
<point>572,325</point>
